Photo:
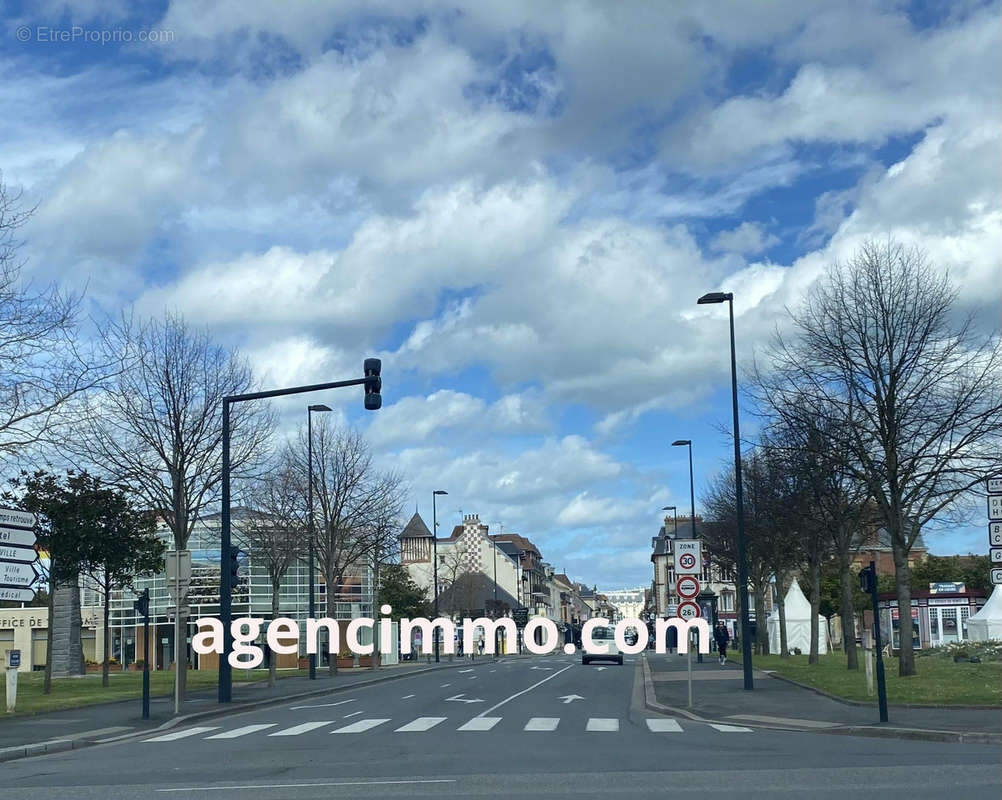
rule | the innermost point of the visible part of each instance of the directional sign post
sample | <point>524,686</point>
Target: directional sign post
<point>24,595</point>
<point>17,555</point>
<point>687,587</point>
<point>994,486</point>
<point>24,555</point>
<point>996,576</point>
<point>14,575</point>
<point>17,519</point>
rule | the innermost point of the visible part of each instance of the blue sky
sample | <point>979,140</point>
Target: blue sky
<point>515,205</point>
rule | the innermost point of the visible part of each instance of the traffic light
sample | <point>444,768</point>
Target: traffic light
<point>373,384</point>
<point>142,604</point>
<point>866,578</point>
<point>234,564</point>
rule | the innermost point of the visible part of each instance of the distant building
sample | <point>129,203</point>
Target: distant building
<point>628,602</point>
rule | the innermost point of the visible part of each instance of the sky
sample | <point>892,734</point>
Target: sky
<point>514,205</point>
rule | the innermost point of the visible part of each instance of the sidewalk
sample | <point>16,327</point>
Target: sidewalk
<point>79,727</point>
<point>719,695</point>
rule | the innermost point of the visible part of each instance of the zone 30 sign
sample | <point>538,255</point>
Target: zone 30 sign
<point>687,557</point>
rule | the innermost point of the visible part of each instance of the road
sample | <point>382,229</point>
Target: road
<point>539,727</point>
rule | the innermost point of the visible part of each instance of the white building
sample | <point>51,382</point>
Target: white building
<point>629,602</point>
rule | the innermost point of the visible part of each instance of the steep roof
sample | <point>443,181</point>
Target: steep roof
<point>416,529</point>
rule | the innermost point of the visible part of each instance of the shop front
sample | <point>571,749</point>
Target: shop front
<point>939,615</point>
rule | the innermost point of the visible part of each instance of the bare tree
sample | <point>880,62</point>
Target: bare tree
<point>916,393</point>
<point>353,500</point>
<point>159,427</point>
<point>275,529</point>
<point>43,364</point>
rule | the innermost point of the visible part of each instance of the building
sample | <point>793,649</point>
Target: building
<point>628,602</point>
<point>875,545</point>
<point>939,615</point>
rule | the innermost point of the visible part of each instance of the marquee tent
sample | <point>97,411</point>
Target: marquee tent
<point>987,623</point>
<point>798,624</point>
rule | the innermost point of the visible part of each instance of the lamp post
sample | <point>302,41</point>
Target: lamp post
<point>728,297</point>
<point>673,508</point>
<point>312,533</point>
<point>434,531</point>
<point>692,490</point>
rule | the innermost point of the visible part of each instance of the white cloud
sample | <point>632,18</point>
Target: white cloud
<point>749,238</point>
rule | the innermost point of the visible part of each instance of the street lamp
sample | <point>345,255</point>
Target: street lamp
<point>319,407</point>
<point>728,297</point>
<point>673,508</point>
<point>434,530</point>
<point>692,491</point>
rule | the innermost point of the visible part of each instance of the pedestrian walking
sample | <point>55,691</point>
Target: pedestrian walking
<point>721,637</point>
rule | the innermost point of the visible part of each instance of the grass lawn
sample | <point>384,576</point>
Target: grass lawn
<point>939,680</point>
<point>87,690</point>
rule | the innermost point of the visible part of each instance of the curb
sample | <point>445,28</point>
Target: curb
<point>961,737</point>
<point>60,745</point>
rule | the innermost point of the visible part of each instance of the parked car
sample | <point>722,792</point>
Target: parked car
<point>603,636</point>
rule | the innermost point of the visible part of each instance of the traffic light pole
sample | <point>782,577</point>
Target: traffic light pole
<point>225,584</point>
<point>881,684</point>
<point>145,606</point>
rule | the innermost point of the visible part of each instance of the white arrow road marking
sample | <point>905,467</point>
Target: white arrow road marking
<point>485,712</point>
<point>458,698</point>
<point>325,705</point>
<point>570,698</point>
<point>599,669</point>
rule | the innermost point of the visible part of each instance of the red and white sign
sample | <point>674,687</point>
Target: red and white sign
<point>688,610</point>
<point>687,557</point>
<point>687,587</point>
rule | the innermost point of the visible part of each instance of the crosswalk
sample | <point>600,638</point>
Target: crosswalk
<point>425,724</point>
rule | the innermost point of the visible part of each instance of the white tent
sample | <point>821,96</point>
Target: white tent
<point>987,623</point>
<point>798,624</point>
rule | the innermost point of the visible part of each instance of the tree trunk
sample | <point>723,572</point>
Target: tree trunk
<point>272,659</point>
<point>331,593</point>
<point>181,647</point>
<point>784,648</point>
<point>847,611</point>
<point>761,628</point>
<point>106,645</point>
<point>902,579</point>
<point>814,578</point>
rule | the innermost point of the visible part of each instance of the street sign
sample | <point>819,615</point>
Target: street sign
<point>178,563</point>
<point>995,507</point>
<point>687,587</point>
<point>689,610</point>
<point>995,486</point>
<point>996,575</point>
<point>521,616</point>
<point>17,576</point>
<point>18,519</point>
<point>24,555</point>
<point>687,556</point>
<point>17,537</point>
<point>995,534</point>
<point>15,658</point>
<point>996,554</point>
<point>24,595</point>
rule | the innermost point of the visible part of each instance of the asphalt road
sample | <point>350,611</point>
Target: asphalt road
<point>542,727</point>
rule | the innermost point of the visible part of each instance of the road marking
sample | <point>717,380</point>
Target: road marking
<point>295,730</point>
<point>487,711</point>
<point>602,724</point>
<point>542,724</point>
<point>170,737</point>
<point>325,705</point>
<point>446,684</point>
<point>570,698</point>
<point>305,785</point>
<point>238,732</point>
<point>407,697</point>
<point>361,726</point>
<point>465,670</point>
<point>493,670</point>
<point>544,668</point>
<point>480,724</point>
<point>420,724</point>
<point>353,714</point>
<point>663,726</point>
<point>730,728</point>
<point>458,698</point>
